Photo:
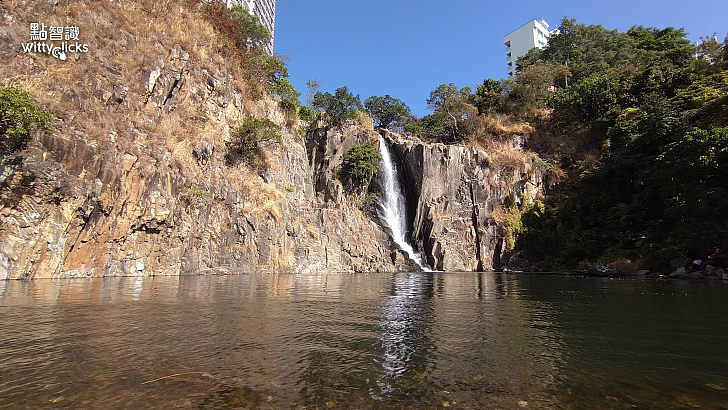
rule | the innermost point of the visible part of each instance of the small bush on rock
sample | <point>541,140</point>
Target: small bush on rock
<point>360,165</point>
<point>19,117</point>
<point>247,141</point>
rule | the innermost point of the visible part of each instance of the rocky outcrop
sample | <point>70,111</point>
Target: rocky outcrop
<point>133,180</point>
<point>89,212</point>
<point>452,191</point>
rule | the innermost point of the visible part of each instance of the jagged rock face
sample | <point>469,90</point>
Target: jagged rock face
<point>452,191</point>
<point>133,180</point>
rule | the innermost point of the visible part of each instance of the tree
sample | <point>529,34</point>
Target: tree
<point>19,117</point>
<point>488,95</point>
<point>450,109</point>
<point>692,173</point>
<point>247,141</point>
<point>313,87</point>
<point>711,49</point>
<point>252,36</point>
<point>287,93</point>
<point>387,110</point>
<point>590,99</point>
<point>532,85</point>
<point>340,106</point>
<point>667,45</point>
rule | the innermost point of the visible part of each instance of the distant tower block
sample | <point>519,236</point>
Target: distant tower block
<point>534,34</point>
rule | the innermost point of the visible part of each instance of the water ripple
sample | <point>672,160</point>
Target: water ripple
<point>401,340</point>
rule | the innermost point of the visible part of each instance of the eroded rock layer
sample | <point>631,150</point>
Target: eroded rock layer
<point>133,180</point>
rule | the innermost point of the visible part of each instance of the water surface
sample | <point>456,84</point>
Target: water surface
<point>412,340</point>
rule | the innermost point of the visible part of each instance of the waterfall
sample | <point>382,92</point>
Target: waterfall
<point>392,205</point>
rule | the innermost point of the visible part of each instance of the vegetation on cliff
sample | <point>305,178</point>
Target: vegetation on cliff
<point>387,111</point>
<point>630,130</point>
<point>19,118</point>
<point>360,165</point>
<point>339,106</point>
<point>248,140</point>
<point>641,131</point>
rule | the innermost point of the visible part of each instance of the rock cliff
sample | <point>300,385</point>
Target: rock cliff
<point>453,193</point>
<point>133,180</point>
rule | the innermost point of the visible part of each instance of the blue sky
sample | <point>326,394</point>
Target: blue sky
<point>405,48</point>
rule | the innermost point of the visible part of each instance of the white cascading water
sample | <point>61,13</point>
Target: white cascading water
<point>393,205</point>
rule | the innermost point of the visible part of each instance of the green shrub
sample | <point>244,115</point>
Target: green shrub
<point>283,88</point>
<point>307,113</point>
<point>592,98</point>
<point>249,39</point>
<point>360,165</point>
<point>252,36</point>
<point>247,141</point>
<point>488,95</point>
<point>237,24</point>
<point>19,117</point>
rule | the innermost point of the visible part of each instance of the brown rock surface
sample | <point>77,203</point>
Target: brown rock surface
<point>133,179</point>
<point>453,191</point>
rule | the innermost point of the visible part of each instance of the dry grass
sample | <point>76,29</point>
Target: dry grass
<point>497,126</point>
<point>363,119</point>
<point>502,155</point>
<point>280,258</point>
<point>495,133</point>
<point>127,39</point>
<point>499,215</point>
<point>313,231</point>
<point>262,198</point>
<point>126,42</point>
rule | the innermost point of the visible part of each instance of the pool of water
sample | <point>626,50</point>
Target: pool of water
<point>406,340</point>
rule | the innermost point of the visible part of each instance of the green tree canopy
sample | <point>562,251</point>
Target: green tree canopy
<point>589,49</point>
<point>387,110</point>
<point>451,109</point>
<point>488,95</point>
<point>252,36</point>
<point>287,92</point>
<point>340,106</point>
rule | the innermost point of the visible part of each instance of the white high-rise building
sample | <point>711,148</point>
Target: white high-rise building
<point>266,12</point>
<point>534,34</point>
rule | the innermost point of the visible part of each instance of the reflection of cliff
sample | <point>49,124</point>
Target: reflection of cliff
<point>442,332</point>
<point>493,338</point>
<point>279,340</point>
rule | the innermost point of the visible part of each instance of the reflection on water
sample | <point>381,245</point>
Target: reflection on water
<point>404,340</point>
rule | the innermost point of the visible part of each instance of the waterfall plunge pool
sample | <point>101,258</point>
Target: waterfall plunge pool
<point>415,340</point>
